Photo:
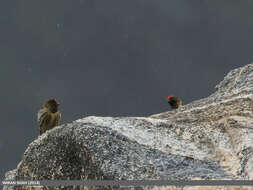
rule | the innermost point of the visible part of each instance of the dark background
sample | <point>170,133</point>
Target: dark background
<point>112,58</point>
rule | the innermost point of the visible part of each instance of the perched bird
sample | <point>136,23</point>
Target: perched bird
<point>48,115</point>
<point>174,102</point>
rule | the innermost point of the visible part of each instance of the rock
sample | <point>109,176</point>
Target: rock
<point>222,122</point>
<point>211,138</point>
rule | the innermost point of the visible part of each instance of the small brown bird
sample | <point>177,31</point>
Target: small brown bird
<point>48,115</point>
<point>174,102</point>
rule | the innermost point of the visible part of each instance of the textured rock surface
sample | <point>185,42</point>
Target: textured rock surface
<point>222,122</point>
<point>196,141</point>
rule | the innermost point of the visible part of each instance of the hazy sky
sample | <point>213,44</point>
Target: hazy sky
<point>112,58</point>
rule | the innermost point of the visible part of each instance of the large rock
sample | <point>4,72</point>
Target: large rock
<point>211,138</point>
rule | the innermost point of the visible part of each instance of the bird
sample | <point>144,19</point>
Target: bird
<point>48,116</point>
<point>174,102</point>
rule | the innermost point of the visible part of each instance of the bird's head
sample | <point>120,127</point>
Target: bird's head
<point>169,98</point>
<point>174,102</point>
<point>53,105</point>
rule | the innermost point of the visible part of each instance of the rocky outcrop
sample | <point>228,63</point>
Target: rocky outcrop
<point>211,138</point>
<point>222,123</point>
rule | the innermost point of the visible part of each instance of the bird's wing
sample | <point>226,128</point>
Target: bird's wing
<point>40,114</point>
<point>58,117</point>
